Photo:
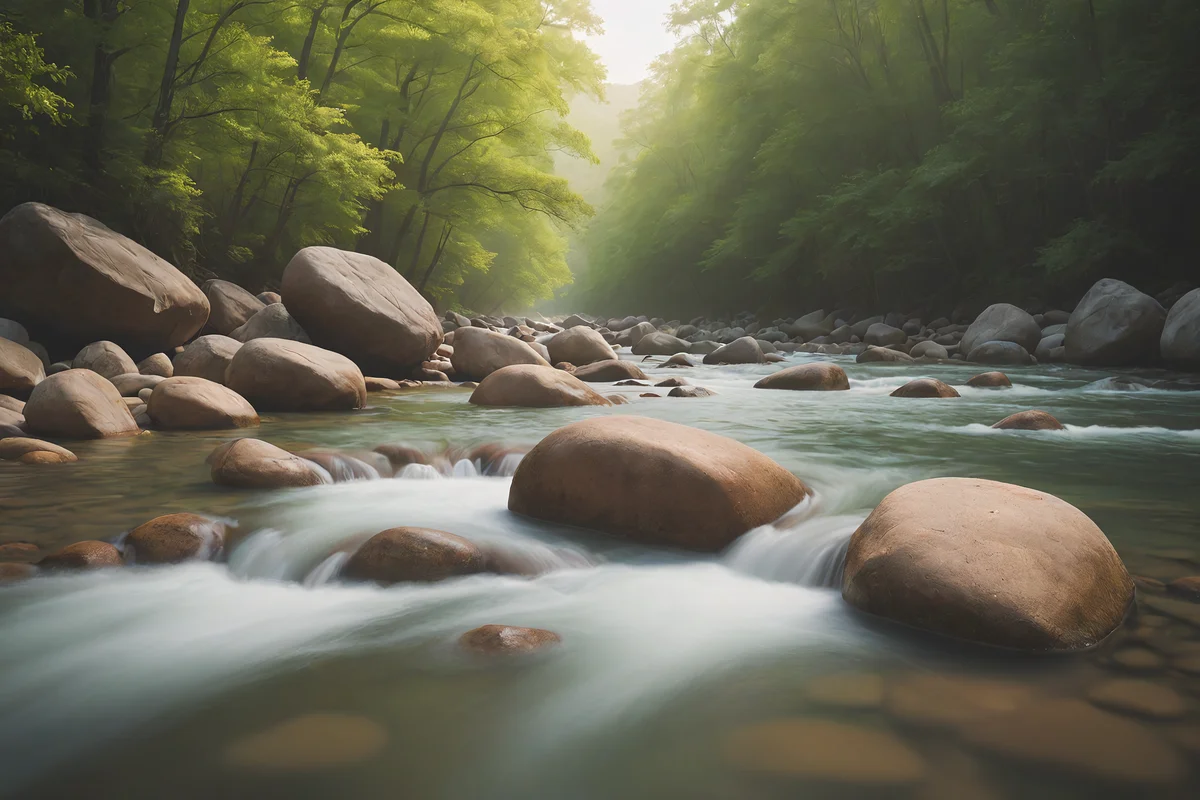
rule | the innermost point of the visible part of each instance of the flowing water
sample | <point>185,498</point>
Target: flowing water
<point>738,675</point>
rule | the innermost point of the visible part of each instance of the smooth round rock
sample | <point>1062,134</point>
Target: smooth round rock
<point>744,350</point>
<point>657,343</point>
<point>131,384</point>
<point>1113,325</point>
<point>34,451</point>
<point>284,375</point>
<point>926,388</point>
<point>309,743</point>
<point>230,306</point>
<point>83,555</point>
<point>609,371</point>
<point>20,369</point>
<point>273,322</point>
<point>207,357</point>
<point>691,391</point>
<point>479,352</point>
<point>990,380</point>
<point>104,358</point>
<point>423,555</point>
<point>926,699</point>
<point>929,349</point>
<point>820,377</point>
<point>882,355</point>
<point>850,690</point>
<point>78,404</point>
<point>157,364</point>
<point>1032,420</point>
<point>580,346</point>
<point>532,386</point>
<point>174,538</point>
<point>1002,322</point>
<point>187,403</point>
<point>255,464</point>
<point>12,571</point>
<point>507,639</point>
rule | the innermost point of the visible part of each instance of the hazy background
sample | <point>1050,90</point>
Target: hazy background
<point>633,36</point>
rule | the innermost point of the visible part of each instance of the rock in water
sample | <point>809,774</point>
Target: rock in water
<point>1029,421</point>
<point>479,352</point>
<point>744,350</point>
<point>255,464</point>
<point>207,357</point>
<point>33,451</point>
<point>359,306</point>
<point>282,375</point>
<point>660,344</point>
<point>990,380</point>
<point>929,349</point>
<point>74,281</point>
<point>609,371</point>
<point>186,403</point>
<point>579,346</point>
<point>309,743</point>
<point>273,322</point>
<point>652,481</point>
<point>507,640</point>
<point>78,404</point>
<point>1002,322</point>
<point>1180,341</point>
<point>173,538</point>
<point>820,377</point>
<point>1114,324</point>
<point>83,555</point>
<point>20,369</point>
<point>230,306</point>
<point>399,555</point>
<point>882,355</point>
<point>926,387</point>
<point>1008,353</point>
<point>534,386</point>
<point>988,562</point>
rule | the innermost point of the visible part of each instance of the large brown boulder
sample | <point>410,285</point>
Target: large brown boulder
<point>173,538</point>
<point>653,481</point>
<point>1002,322</point>
<point>478,352</point>
<point>658,343</point>
<point>230,306</point>
<point>207,357</point>
<point>819,377</point>
<point>34,451</point>
<point>579,346</point>
<point>988,562</point>
<point>534,386</point>
<point>414,554</point>
<point>359,306</point>
<point>1114,324</point>
<point>1033,420</point>
<point>608,371</point>
<point>745,350</point>
<point>187,403</point>
<point>73,281</point>
<point>255,464</point>
<point>78,404</point>
<point>104,358</point>
<point>156,365</point>
<point>273,322</point>
<point>990,380</point>
<point>882,355</point>
<point>20,369</point>
<point>926,387</point>
<point>282,375</point>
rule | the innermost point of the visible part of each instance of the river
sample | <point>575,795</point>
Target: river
<point>679,676</point>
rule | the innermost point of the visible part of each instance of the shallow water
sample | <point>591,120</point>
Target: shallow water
<point>139,682</point>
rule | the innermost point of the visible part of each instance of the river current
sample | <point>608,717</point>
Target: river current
<point>739,675</point>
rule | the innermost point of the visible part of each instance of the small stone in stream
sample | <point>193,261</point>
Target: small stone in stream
<point>821,376</point>
<point>690,391</point>
<point>309,743</point>
<point>1137,659</point>
<point>605,371</point>
<point>926,388</point>
<point>255,464</point>
<point>34,451</point>
<point>990,380</point>
<point>15,571</point>
<point>649,394</point>
<point>422,555</point>
<point>507,640</point>
<point>173,538</point>
<point>1188,587</point>
<point>401,455</point>
<point>631,382</point>
<point>854,690</point>
<point>83,555</point>
<point>824,750</point>
<point>668,382</point>
<point>1033,420</point>
<point>1138,698</point>
<point>882,355</point>
<point>381,384</point>
<point>1187,664</point>
<point>678,360</point>
<point>617,399</point>
<point>565,366</point>
<point>157,364</point>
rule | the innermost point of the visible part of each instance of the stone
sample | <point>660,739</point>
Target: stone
<point>380,384</point>
<point>14,332</point>
<point>1048,345</point>
<point>11,422</point>
<point>255,464</point>
<point>1137,659</point>
<point>1009,353</point>
<point>230,306</point>
<point>174,538</point>
<point>133,383</point>
<point>1033,420</point>
<point>479,352</point>
<point>507,640</point>
<point>273,322</point>
<point>617,399</point>
<point>207,357</point>
<point>988,562</point>
<point>690,391</point>
<point>534,386</point>
<point>882,355</point>
<point>660,344</point>
<point>283,375</point>
<point>819,377</point>
<point>269,298</point>
<point>187,403</point>
<point>34,451</point>
<point>848,690</point>
<point>104,358</point>
<point>677,360</point>
<point>565,366</point>
<point>608,371</point>
<point>156,365</point>
<point>929,349</point>
<point>1002,322</point>
<point>72,281</point>
<point>400,555</point>
<point>989,380</point>
<point>1114,325</point>
<point>882,335</point>
<point>20,369</point>
<point>12,403</point>
<point>744,350</point>
<point>309,743</point>
<point>703,348</point>
<point>1138,698</point>
<point>640,331</point>
<point>1186,587</point>
<point>668,382</point>
<point>78,404</point>
<point>579,346</point>
<point>16,572</point>
<point>1180,340</point>
<point>359,306</point>
<point>652,481</point>
<point>926,387</point>
<point>83,555</point>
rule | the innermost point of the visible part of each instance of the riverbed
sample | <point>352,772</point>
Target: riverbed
<point>679,676</point>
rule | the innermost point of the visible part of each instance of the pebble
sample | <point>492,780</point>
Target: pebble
<point>1139,698</point>
<point>308,743</point>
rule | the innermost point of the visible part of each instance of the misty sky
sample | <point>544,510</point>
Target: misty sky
<point>633,36</point>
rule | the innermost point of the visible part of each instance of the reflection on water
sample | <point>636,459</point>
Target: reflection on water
<point>142,682</point>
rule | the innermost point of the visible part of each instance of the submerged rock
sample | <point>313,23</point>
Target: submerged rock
<point>926,387</point>
<point>990,380</point>
<point>690,391</point>
<point>33,451</point>
<point>173,538</point>
<point>609,371</point>
<point>424,555</point>
<point>78,404</point>
<point>534,386</point>
<point>282,375</point>
<point>83,555</point>
<point>308,743</point>
<point>507,640</point>
<point>820,377</point>
<point>255,464</point>
<point>1032,420</point>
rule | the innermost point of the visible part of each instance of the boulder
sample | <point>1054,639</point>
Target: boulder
<point>639,332</point>
<point>78,404</point>
<point>988,562</point>
<point>14,332</point>
<point>479,352</point>
<point>579,346</point>
<point>609,371</point>
<point>575,321</point>
<point>132,384</point>
<point>929,349</point>
<point>653,481</point>
<point>282,375</point>
<point>507,640</point>
<point>20,369</point>
<point>819,377</point>
<point>230,306</point>
<point>1048,345</point>
<point>74,281</point>
<point>702,348</point>
<point>187,403</point>
<point>989,380</point>
<point>83,555</point>
<point>1007,353</point>
<point>660,344</point>
<point>357,305</point>
<point>273,322</point>
<point>882,335</point>
<point>423,555</point>
<point>744,350</point>
<point>678,360</point>
<point>1002,322</point>
<point>1029,421</point>
<point>882,355</point>
<point>690,391</point>
<point>173,538</point>
<point>255,464</point>
<point>534,386</point>
<point>1113,325</point>
<point>269,298</point>
<point>380,384</point>
<point>157,364</point>
<point>33,451</point>
<point>1180,340</point>
<point>11,403</point>
<point>208,357</point>
<point>926,387</point>
<point>104,358</point>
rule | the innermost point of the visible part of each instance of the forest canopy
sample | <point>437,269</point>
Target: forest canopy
<point>796,154</point>
<point>227,134</point>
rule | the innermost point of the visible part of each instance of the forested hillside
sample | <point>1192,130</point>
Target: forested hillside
<point>227,134</point>
<point>906,153</point>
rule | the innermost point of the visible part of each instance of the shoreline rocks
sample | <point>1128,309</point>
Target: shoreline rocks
<point>533,386</point>
<point>187,403</point>
<point>78,404</point>
<point>818,377</point>
<point>283,375</point>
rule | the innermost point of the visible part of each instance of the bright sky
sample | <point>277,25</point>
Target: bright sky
<point>633,36</point>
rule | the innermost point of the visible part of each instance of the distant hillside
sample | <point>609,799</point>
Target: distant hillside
<point>602,123</point>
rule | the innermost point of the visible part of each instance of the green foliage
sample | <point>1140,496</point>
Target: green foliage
<point>23,75</point>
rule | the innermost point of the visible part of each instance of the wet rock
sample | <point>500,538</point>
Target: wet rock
<point>882,335</point>
<point>78,404</point>
<point>20,369</point>
<point>649,394</point>
<point>990,380</point>
<point>83,555</point>
<point>929,349</point>
<point>424,555</point>
<point>479,352</point>
<point>507,640</point>
<point>678,360</point>
<point>926,387</point>
<point>1009,353</point>
<point>188,403</point>
<point>309,743</point>
<point>207,357</point>
<point>1138,698</point>
<point>74,281</point>
<point>34,451</point>
<point>882,355</point>
<point>1033,420</point>
<point>255,464</point>
<point>1114,324</point>
<point>821,377</point>
<point>609,371</point>
<point>679,486</point>
<point>1180,340</point>
<point>851,690</point>
<point>1047,346</point>
<point>1188,587</point>
<point>1002,322</point>
<point>579,346</point>
<point>744,350</point>
<point>173,538</point>
<point>230,306</point>
<point>11,572</point>
<point>703,348</point>
<point>346,467</point>
<point>401,455</point>
<point>104,358</point>
<point>534,386</point>
<point>132,384</point>
<point>273,322</point>
<point>631,382</point>
<point>356,305</point>
<point>380,384</point>
<point>565,366</point>
<point>988,562</point>
<point>690,391</point>
<point>156,365</point>
<point>282,375</point>
<point>660,344</point>
<point>617,399</point>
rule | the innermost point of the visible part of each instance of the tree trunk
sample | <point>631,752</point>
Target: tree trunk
<point>166,92</point>
<point>411,273</point>
<point>306,51</point>
<point>437,255</point>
